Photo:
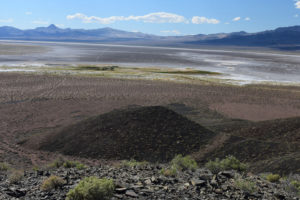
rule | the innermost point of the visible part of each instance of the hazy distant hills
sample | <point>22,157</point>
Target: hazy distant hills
<point>52,32</point>
<point>287,37</point>
<point>279,36</point>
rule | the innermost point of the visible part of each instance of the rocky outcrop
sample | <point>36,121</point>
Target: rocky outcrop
<point>147,183</point>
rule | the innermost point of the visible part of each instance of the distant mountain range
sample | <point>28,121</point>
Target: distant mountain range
<point>280,36</point>
<point>52,32</point>
<point>286,37</point>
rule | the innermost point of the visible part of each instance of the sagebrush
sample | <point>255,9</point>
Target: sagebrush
<point>16,176</point>
<point>53,182</point>
<point>184,163</point>
<point>92,188</point>
<point>273,178</point>
<point>228,163</point>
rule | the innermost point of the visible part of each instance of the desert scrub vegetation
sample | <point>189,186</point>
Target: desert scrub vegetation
<point>245,185</point>
<point>4,167</point>
<point>53,182</point>
<point>92,188</point>
<point>35,168</point>
<point>188,72</point>
<point>228,163</point>
<point>273,178</point>
<point>184,163</point>
<point>296,187</point>
<point>171,171</point>
<point>66,164</point>
<point>56,163</point>
<point>96,68</point>
<point>179,163</point>
<point>15,176</point>
<point>292,184</point>
<point>133,163</point>
<point>74,164</point>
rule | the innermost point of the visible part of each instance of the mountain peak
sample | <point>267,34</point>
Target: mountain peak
<point>52,26</point>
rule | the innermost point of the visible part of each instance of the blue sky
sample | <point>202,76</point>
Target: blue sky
<point>160,17</point>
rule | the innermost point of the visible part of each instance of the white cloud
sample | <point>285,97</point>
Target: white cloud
<point>28,13</point>
<point>247,18</point>
<point>6,20</point>
<point>173,32</point>
<point>236,19</point>
<point>296,15</point>
<point>204,20</point>
<point>159,17</point>
<point>297,4</point>
<point>40,22</point>
<point>227,23</point>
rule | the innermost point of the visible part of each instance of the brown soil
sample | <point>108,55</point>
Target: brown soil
<point>33,105</point>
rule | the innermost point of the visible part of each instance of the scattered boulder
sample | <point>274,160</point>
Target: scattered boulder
<point>142,183</point>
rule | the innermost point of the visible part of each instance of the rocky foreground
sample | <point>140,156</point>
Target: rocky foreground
<point>147,182</point>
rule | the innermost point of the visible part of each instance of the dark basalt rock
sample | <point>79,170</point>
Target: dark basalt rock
<point>155,134</point>
<point>142,183</point>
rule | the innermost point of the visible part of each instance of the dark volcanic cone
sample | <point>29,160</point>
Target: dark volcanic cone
<point>146,133</point>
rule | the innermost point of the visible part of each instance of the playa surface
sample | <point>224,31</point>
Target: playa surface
<point>243,65</point>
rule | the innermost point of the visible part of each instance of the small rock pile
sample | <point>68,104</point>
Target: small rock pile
<point>145,182</point>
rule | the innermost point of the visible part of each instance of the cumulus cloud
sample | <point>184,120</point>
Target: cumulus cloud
<point>28,13</point>
<point>297,4</point>
<point>204,20</point>
<point>6,20</point>
<point>173,32</point>
<point>296,15</point>
<point>40,22</point>
<point>236,19</point>
<point>247,18</point>
<point>159,17</point>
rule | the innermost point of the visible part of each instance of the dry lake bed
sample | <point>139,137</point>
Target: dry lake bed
<point>240,66</point>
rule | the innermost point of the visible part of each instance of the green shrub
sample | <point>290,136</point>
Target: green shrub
<point>214,166</point>
<point>133,163</point>
<point>73,164</point>
<point>80,166</point>
<point>16,176</point>
<point>184,163</point>
<point>92,188</point>
<point>179,163</point>
<point>172,171</point>
<point>273,178</point>
<point>4,167</point>
<point>66,164</point>
<point>53,182</point>
<point>292,184</point>
<point>35,168</point>
<point>228,163</point>
<point>245,185</point>
<point>69,164</point>
<point>296,186</point>
<point>57,163</point>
